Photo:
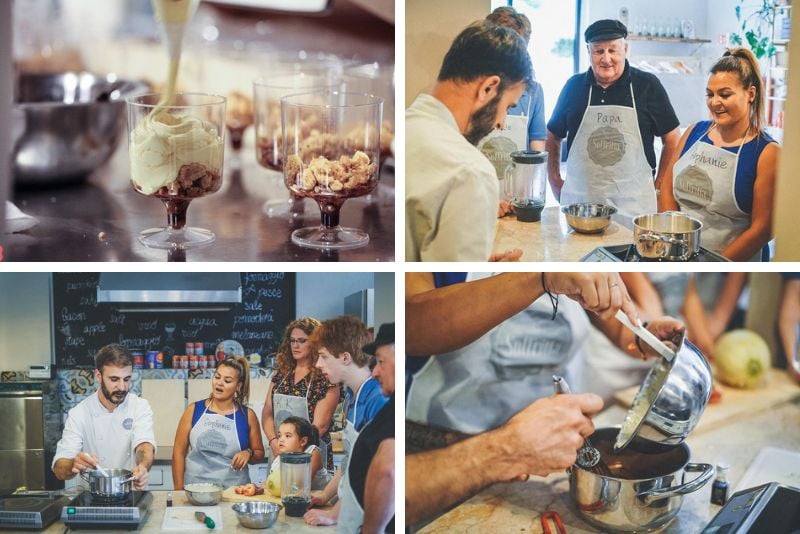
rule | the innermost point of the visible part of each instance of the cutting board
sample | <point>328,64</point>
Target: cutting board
<point>772,465</point>
<point>181,518</point>
<point>231,496</point>
<point>735,403</point>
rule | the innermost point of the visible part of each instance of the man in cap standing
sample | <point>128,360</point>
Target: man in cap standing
<point>610,116</point>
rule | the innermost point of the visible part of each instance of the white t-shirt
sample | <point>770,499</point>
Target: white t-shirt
<point>451,189</point>
<point>111,436</point>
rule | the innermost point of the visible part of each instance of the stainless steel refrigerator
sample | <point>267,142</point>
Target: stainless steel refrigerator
<point>22,456</point>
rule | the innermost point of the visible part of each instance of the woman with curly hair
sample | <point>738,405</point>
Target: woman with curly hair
<point>299,389</point>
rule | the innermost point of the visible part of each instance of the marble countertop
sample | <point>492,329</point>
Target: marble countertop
<point>551,239</point>
<point>229,522</point>
<point>517,507</point>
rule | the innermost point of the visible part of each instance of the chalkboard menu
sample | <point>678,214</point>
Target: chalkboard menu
<point>82,325</point>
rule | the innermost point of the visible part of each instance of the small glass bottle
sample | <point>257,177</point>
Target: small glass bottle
<point>169,499</point>
<point>719,489</point>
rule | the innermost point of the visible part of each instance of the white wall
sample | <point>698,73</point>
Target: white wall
<point>431,26</point>
<point>24,320</point>
<point>321,295</point>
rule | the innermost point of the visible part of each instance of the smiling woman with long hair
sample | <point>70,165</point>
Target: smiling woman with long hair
<point>724,169</point>
<point>298,389</point>
<point>217,437</point>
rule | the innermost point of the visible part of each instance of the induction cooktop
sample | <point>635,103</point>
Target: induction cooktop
<point>627,253</point>
<point>30,511</point>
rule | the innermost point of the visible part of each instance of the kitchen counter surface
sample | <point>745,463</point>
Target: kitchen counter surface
<point>152,524</point>
<point>517,507</point>
<point>100,220</point>
<point>551,239</point>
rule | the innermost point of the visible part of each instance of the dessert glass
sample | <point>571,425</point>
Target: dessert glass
<point>378,80</point>
<point>267,94</point>
<point>176,156</point>
<point>331,151</point>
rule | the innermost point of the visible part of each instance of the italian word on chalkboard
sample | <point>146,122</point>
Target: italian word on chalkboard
<point>82,325</point>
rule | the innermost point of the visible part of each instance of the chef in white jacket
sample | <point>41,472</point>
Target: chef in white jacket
<point>112,428</point>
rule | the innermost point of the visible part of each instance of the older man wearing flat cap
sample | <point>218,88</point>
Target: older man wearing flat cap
<point>610,116</point>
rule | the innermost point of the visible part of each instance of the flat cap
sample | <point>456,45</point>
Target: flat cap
<point>605,30</point>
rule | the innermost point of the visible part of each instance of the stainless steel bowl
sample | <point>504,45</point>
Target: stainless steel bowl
<point>257,514</point>
<point>66,125</point>
<point>203,494</point>
<point>670,401</point>
<point>588,218</point>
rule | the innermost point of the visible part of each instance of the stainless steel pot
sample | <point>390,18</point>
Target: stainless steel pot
<point>670,401</point>
<point>114,486</point>
<point>642,491</point>
<point>670,236</point>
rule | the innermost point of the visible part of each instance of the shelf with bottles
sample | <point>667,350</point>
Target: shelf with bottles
<point>667,39</point>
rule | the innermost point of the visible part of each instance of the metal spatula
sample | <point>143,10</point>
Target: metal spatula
<point>646,336</point>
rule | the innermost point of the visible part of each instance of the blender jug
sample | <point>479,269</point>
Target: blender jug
<point>295,482</point>
<point>526,180</point>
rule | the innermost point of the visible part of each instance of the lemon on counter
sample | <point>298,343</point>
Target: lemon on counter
<point>274,483</point>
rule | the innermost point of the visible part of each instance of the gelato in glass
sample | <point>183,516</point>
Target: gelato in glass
<point>176,153</point>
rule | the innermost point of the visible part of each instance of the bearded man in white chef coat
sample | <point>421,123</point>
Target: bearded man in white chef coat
<point>112,428</point>
<point>452,191</point>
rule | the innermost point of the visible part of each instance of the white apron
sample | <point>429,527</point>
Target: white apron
<point>480,386</point>
<point>284,406</point>
<point>351,515</point>
<point>703,185</point>
<point>607,163</point>
<point>214,443</point>
<point>498,145</point>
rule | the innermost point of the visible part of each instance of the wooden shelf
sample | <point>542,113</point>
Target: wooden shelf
<point>667,39</point>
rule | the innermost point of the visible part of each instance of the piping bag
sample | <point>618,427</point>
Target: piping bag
<point>203,518</point>
<point>173,17</point>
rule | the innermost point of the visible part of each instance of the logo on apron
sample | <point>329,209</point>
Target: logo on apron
<point>127,424</point>
<point>695,186</point>
<point>498,150</point>
<point>212,440</point>
<point>606,146</point>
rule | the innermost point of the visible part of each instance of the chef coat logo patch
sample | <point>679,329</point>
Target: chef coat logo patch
<point>498,150</point>
<point>127,424</point>
<point>606,146</point>
<point>694,187</point>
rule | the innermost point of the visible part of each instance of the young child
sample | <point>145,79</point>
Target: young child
<point>298,435</point>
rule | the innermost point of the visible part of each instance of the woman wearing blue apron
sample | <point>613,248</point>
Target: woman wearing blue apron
<point>218,437</point>
<point>725,174</point>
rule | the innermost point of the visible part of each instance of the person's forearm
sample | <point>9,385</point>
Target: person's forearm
<point>669,150</point>
<point>747,244</point>
<point>63,469</point>
<point>178,466</point>
<point>726,302</point>
<point>145,453</point>
<point>434,482</point>
<point>553,149</point>
<point>379,490</point>
<point>453,309</point>
<point>537,145</point>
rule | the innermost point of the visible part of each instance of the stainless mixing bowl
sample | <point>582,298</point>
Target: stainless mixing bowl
<point>257,514</point>
<point>66,125</point>
<point>588,218</point>
<point>203,494</point>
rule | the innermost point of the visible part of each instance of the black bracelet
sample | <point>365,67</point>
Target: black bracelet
<point>553,299</point>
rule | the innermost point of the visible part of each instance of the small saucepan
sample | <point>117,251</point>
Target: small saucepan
<point>670,236</point>
<point>641,488</point>
<point>109,484</point>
